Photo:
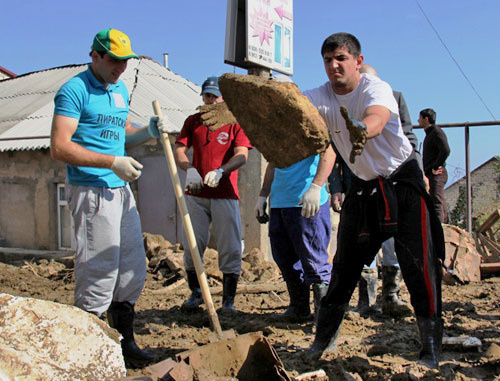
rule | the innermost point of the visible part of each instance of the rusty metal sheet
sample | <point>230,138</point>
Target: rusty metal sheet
<point>246,357</point>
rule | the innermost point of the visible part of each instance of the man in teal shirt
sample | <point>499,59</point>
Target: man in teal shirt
<point>90,129</point>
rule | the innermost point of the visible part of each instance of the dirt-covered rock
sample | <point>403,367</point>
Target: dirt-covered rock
<point>278,119</point>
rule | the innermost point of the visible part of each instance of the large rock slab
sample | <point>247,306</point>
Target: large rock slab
<point>41,340</point>
<point>278,119</point>
<point>462,258</point>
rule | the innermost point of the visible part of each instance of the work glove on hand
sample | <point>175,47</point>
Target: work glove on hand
<point>357,133</point>
<point>194,182</point>
<point>157,125</point>
<point>260,210</point>
<point>310,201</point>
<point>216,115</point>
<point>212,178</point>
<point>126,168</point>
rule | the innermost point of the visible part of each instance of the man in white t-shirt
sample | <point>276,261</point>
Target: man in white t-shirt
<point>387,197</point>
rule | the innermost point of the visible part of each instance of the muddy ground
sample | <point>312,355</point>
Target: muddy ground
<point>374,348</point>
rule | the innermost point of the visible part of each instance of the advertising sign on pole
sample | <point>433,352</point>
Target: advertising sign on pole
<point>260,33</point>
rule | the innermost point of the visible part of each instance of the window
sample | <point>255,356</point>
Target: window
<point>65,226</point>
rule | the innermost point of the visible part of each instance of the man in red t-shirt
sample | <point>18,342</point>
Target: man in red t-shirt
<point>212,193</point>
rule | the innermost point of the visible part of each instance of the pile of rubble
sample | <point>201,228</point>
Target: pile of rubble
<point>469,257</point>
<point>165,261</point>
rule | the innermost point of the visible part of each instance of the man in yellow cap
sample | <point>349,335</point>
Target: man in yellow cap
<point>90,129</point>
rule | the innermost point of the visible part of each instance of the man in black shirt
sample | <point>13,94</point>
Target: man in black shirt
<point>435,152</point>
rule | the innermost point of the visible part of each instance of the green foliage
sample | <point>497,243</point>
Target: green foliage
<point>458,214</point>
<point>497,170</point>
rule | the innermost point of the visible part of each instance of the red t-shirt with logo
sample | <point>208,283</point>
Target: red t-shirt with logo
<point>211,149</point>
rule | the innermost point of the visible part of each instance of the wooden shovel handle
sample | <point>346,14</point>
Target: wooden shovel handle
<point>188,228</point>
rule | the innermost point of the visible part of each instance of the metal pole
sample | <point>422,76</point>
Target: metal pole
<point>259,71</point>
<point>468,183</point>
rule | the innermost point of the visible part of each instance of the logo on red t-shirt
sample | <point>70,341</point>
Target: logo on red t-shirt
<point>223,138</point>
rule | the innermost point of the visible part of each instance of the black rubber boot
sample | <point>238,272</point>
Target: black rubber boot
<point>121,317</point>
<point>299,309</point>
<point>391,304</point>
<point>367,287</point>
<point>327,329</point>
<point>431,338</point>
<point>229,285</point>
<point>195,300</point>
<point>319,291</point>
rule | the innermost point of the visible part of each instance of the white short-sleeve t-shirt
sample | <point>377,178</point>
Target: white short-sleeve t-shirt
<point>383,154</point>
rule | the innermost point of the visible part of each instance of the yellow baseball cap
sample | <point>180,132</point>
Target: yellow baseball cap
<point>113,42</point>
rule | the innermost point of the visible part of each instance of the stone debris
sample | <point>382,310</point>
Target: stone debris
<point>465,343</point>
<point>163,258</point>
<point>462,258</point>
<point>278,119</point>
<point>42,340</point>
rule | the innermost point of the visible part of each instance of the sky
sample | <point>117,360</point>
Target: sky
<point>395,36</point>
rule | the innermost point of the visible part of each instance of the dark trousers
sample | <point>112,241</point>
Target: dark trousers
<point>299,245</point>
<point>436,184</point>
<point>359,239</point>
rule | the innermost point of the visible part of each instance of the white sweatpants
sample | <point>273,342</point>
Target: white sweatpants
<point>224,214</point>
<point>110,262</point>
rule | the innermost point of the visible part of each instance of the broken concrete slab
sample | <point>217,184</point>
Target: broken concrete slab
<point>462,258</point>
<point>42,340</point>
<point>465,343</point>
<point>316,375</point>
<point>278,119</point>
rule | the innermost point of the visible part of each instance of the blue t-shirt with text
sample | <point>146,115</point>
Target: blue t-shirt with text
<point>102,114</point>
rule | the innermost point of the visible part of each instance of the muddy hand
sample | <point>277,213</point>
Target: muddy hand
<point>216,115</point>
<point>357,133</point>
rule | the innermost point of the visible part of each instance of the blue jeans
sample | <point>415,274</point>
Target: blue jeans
<point>299,245</point>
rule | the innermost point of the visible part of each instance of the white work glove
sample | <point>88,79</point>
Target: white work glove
<point>194,182</point>
<point>158,125</point>
<point>212,178</point>
<point>126,168</point>
<point>310,201</point>
<point>260,210</point>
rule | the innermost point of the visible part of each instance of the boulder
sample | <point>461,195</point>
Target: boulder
<point>42,340</point>
<point>278,119</point>
<point>462,258</point>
